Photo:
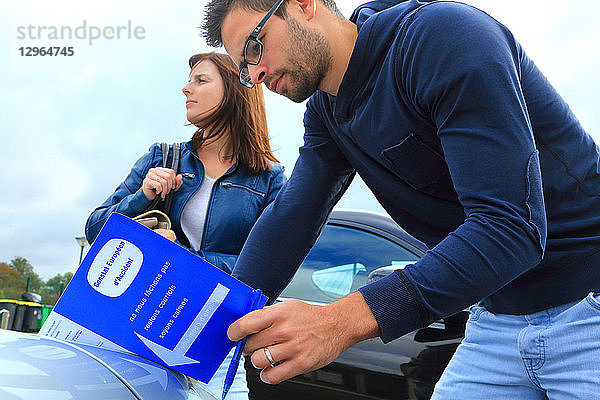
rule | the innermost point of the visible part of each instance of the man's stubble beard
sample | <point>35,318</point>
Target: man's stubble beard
<point>309,61</point>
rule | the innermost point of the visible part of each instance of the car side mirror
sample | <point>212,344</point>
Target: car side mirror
<point>382,272</point>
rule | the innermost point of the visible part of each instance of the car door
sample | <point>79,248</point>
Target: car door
<point>347,251</point>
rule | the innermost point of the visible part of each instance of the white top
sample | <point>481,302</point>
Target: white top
<point>194,213</point>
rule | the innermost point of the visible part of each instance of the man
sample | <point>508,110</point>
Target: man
<point>454,129</point>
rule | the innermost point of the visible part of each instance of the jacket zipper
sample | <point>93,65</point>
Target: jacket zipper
<point>230,184</point>
<point>210,201</point>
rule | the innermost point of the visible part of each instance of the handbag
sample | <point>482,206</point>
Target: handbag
<point>156,215</point>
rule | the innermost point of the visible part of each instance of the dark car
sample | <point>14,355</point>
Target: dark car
<point>354,248</point>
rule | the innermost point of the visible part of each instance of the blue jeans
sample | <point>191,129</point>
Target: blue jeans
<point>552,354</point>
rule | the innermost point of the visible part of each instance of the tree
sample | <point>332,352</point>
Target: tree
<point>59,282</point>
<point>54,287</point>
<point>25,270</point>
<point>11,283</point>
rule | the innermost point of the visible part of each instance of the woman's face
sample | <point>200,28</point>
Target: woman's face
<point>203,92</point>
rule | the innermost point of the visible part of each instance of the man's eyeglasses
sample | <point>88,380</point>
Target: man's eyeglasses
<point>253,48</point>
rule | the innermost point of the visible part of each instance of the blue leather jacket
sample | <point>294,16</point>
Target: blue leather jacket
<point>237,200</point>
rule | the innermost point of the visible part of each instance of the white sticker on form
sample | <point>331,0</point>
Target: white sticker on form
<point>115,267</point>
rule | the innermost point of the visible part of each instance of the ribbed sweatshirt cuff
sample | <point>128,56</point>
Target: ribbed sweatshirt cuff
<point>394,304</point>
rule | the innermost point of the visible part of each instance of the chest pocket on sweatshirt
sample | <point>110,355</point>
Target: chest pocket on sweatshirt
<point>421,167</point>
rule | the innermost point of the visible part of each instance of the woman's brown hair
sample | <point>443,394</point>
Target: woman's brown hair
<point>241,113</point>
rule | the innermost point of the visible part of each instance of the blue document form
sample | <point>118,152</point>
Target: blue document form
<point>139,292</point>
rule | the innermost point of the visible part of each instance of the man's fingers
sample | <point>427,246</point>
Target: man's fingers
<point>267,337</point>
<point>279,353</point>
<point>253,322</point>
<point>283,371</point>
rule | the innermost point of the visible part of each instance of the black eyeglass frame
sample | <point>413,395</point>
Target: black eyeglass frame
<point>244,74</point>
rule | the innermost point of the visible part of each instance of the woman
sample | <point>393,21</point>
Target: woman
<point>227,176</point>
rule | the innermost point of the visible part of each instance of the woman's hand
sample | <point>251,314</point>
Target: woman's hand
<point>161,181</point>
<point>169,234</point>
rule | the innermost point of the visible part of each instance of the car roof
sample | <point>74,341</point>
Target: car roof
<point>376,223</point>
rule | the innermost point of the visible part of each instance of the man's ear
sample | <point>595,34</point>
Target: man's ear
<point>308,8</point>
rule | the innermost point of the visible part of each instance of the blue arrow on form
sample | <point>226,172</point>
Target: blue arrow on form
<point>177,355</point>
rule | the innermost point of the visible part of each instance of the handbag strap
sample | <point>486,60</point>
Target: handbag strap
<point>158,203</point>
<point>175,167</point>
<point>164,147</point>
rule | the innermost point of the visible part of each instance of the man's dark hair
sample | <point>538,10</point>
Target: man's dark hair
<point>217,10</point>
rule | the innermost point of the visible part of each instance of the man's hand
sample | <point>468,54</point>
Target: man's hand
<point>302,337</point>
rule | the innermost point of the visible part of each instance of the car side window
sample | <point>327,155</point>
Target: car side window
<point>340,262</point>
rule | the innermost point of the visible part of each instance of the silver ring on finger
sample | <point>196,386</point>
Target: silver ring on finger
<point>270,357</point>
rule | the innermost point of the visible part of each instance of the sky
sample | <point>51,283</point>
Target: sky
<point>72,126</point>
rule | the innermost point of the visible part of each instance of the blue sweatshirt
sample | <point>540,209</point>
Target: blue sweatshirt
<point>468,147</point>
